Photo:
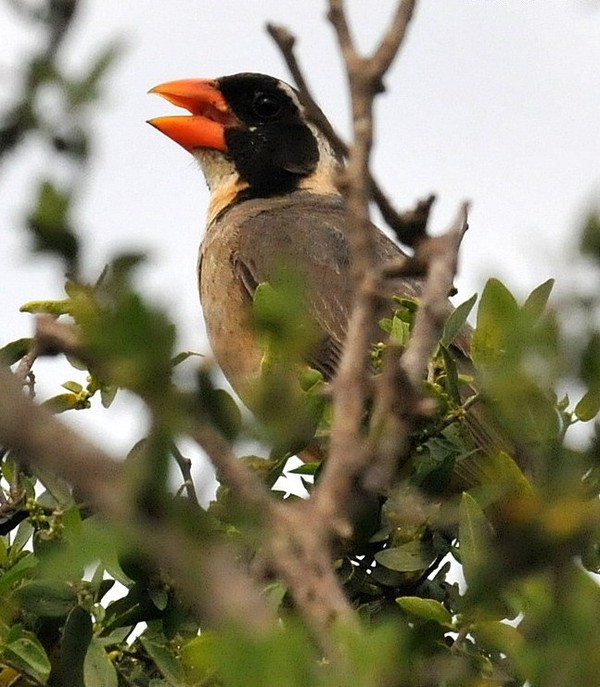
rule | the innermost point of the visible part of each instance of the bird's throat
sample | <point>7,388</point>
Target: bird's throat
<point>223,180</point>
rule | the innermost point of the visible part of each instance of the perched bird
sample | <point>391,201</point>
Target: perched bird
<point>273,202</point>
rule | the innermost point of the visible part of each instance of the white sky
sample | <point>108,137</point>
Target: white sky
<point>497,101</point>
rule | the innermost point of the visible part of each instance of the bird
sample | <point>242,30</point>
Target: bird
<point>271,173</point>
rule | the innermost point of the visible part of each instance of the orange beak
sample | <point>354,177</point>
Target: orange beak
<point>210,114</point>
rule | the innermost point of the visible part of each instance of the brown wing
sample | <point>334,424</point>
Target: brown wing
<point>306,233</point>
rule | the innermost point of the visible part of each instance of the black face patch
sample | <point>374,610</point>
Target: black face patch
<point>275,148</point>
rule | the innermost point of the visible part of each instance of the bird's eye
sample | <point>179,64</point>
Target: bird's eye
<point>266,105</point>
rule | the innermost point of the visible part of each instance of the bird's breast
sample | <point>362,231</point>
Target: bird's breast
<point>227,307</point>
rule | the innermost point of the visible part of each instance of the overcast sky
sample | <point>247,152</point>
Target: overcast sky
<point>497,101</point>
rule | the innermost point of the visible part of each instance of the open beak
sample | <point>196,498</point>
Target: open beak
<point>210,114</point>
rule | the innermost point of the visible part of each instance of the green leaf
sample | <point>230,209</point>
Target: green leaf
<point>98,669</point>
<point>498,636</point>
<point>107,395</point>
<point>166,661</point>
<point>473,532</point>
<point>61,403</point>
<point>261,659</point>
<point>22,536</point>
<point>159,597</point>
<point>76,638</point>
<point>457,320</point>
<point>427,609</point>
<point>436,464</point>
<point>538,299</point>
<point>26,652</point>
<point>311,380</point>
<point>589,406</point>
<point>75,387</point>
<point>184,355</point>
<point>305,469</point>
<point>399,332</point>
<point>451,379</point>
<point>498,311</point>
<point>57,487</point>
<point>590,363</point>
<point>217,406</point>
<point>76,363</point>
<point>22,568</point>
<point>590,558</point>
<point>49,598</point>
<point>62,307</point>
<point>49,223</point>
<point>15,350</point>
<point>198,657</point>
<point>410,557</point>
<point>590,238</point>
<point>133,339</point>
<point>281,319</point>
<point>373,659</point>
<point>493,476</point>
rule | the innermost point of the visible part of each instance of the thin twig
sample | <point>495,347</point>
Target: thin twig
<point>185,466</point>
<point>54,337</point>
<point>441,255</point>
<point>24,370</point>
<point>390,422</point>
<point>393,38</point>
<point>400,222</point>
<point>231,471</point>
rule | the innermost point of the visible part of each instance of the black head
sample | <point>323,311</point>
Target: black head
<point>274,148</point>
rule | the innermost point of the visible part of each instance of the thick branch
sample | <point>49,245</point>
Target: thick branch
<point>37,436</point>
<point>40,439</point>
<point>350,451</point>
<point>298,554</point>
<point>54,336</point>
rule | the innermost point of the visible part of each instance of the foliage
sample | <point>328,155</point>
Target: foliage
<point>519,519</point>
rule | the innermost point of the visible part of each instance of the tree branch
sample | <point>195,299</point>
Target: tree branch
<point>393,39</point>
<point>41,440</point>
<point>350,451</point>
<point>297,554</point>
<point>401,223</point>
<point>440,254</point>
<point>231,471</point>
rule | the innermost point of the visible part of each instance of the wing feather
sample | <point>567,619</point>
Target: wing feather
<point>310,239</point>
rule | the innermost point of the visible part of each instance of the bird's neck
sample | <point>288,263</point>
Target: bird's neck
<point>227,187</point>
<point>223,180</point>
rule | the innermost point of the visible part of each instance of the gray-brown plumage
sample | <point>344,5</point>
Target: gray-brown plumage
<point>250,242</point>
<point>274,204</point>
